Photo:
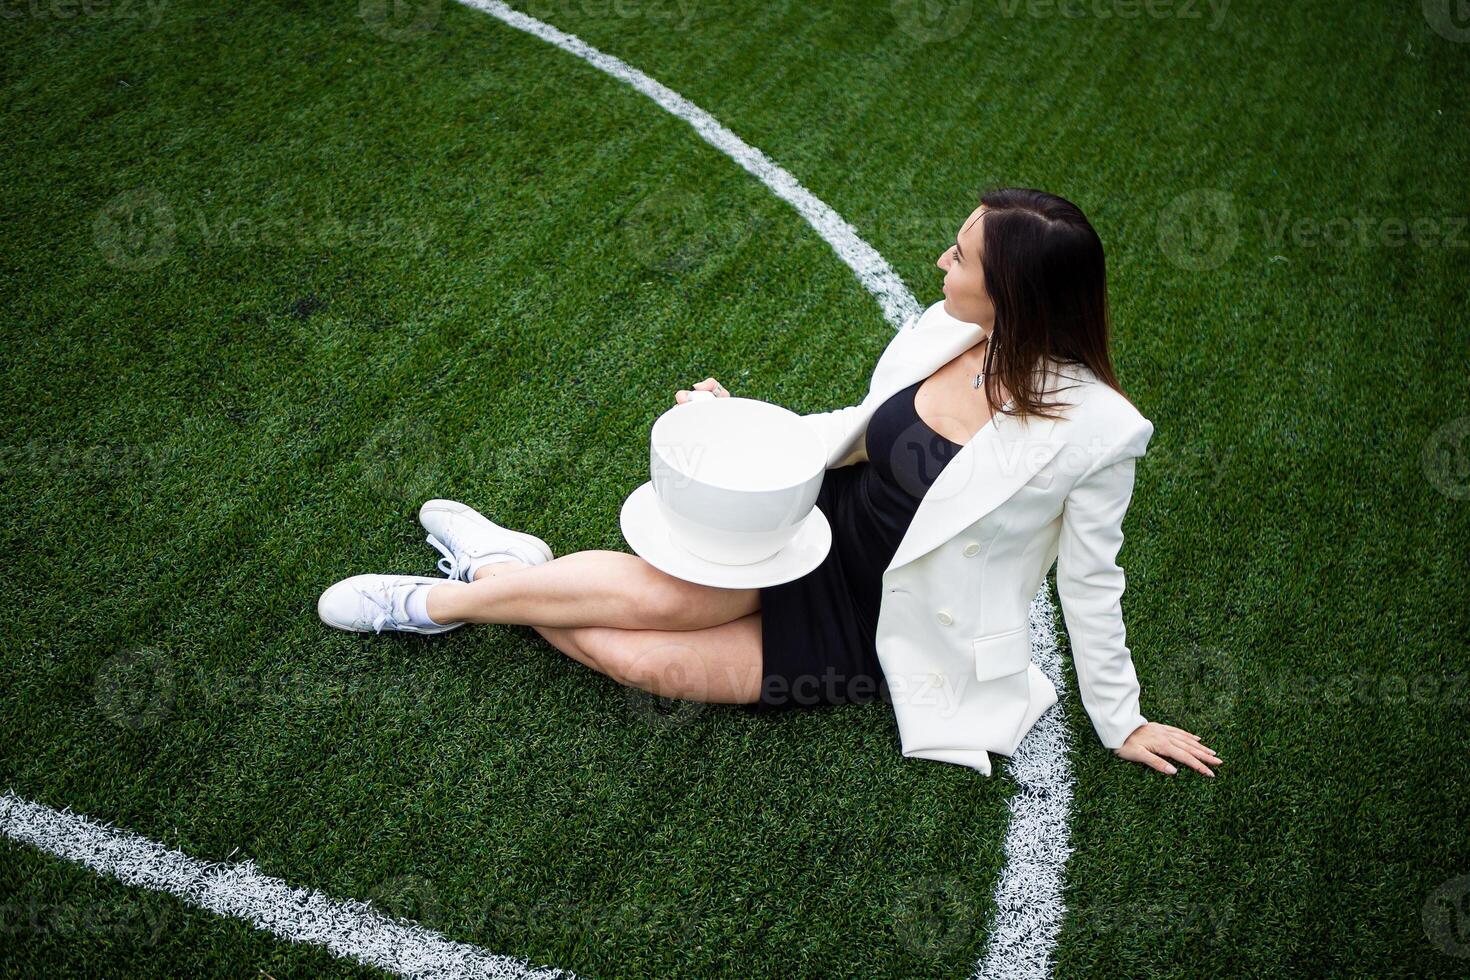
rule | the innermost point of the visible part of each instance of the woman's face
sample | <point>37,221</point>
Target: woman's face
<point>964,281</point>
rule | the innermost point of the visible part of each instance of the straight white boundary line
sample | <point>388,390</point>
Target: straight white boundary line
<point>1028,898</point>
<point>352,930</point>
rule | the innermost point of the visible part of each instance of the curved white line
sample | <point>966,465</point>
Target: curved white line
<point>352,930</point>
<point>871,268</point>
<point>1028,897</point>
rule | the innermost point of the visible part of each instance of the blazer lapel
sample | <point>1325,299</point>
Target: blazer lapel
<point>989,469</point>
<point>993,465</point>
<point>985,473</point>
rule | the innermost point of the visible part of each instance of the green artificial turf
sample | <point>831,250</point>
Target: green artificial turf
<point>274,273</point>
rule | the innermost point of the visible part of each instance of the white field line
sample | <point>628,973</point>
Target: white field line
<point>1028,900</point>
<point>871,269</point>
<point>352,930</point>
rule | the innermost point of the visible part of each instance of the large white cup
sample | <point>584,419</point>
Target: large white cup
<point>734,477</point>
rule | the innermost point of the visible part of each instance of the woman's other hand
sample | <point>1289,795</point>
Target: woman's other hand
<point>1153,744</point>
<point>708,384</point>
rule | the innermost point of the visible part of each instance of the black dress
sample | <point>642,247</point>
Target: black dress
<point>819,632</point>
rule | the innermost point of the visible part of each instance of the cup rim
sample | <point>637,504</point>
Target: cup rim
<point>813,439</point>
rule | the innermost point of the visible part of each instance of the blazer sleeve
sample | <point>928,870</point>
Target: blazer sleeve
<point>1090,585</point>
<point>831,425</point>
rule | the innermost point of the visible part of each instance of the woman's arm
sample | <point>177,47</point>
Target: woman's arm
<point>830,427</point>
<point>1090,585</point>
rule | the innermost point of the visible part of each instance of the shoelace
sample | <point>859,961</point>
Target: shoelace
<point>391,601</point>
<point>452,564</point>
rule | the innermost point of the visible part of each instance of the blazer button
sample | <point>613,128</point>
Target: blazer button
<point>945,619</point>
<point>971,550</point>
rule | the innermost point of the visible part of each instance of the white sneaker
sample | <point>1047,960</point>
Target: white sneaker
<point>468,540</point>
<point>373,603</point>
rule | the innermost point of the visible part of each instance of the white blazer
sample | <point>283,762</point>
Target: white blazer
<point>953,638</point>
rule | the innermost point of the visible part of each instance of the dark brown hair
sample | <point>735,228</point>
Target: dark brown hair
<point>1046,276</point>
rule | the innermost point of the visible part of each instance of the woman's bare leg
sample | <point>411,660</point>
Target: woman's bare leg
<point>719,664</point>
<point>589,588</point>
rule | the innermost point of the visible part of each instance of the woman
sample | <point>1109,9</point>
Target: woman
<point>1026,280</point>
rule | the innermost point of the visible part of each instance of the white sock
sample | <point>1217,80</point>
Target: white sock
<point>417,607</point>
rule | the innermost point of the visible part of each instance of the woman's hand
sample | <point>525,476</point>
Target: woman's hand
<point>708,384</point>
<point>1151,742</point>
